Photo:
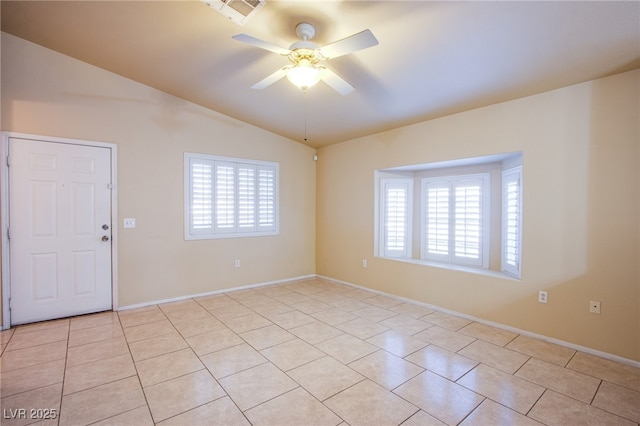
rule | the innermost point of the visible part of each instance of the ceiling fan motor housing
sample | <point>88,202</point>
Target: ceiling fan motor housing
<point>304,49</point>
<point>303,45</point>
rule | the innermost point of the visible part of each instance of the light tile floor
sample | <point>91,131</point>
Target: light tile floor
<point>309,352</point>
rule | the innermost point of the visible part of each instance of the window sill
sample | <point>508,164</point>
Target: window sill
<point>191,237</point>
<point>486,272</point>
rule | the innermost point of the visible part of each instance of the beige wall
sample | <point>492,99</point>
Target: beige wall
<point>581,236</point>
<point>581,196</point>
<point>46,93</point>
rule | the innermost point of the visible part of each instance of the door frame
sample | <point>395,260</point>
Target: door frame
<point>5,219</point>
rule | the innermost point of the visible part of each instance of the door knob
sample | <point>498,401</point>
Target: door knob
<point>105,226</point>
<point>105,238</point>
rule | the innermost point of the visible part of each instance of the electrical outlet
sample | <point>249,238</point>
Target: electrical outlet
<point>594,307</point>
<point>129,222</point>
<point>542,296</point>
<point>364,263</point>
<point>237,263</point>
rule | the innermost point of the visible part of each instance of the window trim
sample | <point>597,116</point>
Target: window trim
<point>214,231</point>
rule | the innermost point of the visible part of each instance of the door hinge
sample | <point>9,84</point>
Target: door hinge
<point>110,185</point>
<point>8,233</point>
<point>9,303</point>
<point>8,161</point>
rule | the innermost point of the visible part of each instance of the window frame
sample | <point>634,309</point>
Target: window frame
<point>264,199</point>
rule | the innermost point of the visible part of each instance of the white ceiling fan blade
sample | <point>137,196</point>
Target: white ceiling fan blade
<point>351,44</point>
<point>271,79</point>
<point>336,82</point>
<point>244,38</point>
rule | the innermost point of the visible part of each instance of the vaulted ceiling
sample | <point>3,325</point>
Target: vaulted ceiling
<point>434,58</point>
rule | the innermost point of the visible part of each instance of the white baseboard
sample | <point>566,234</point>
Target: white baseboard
<point>548,339</point>
<point>211,293</point>
<point>570,345</point>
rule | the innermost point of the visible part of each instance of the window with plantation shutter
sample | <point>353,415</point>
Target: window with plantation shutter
<point>396,221</point>
<point>455,214</point>
<point>512,220</point>
<point>229,197</point>
<point>461,214</point>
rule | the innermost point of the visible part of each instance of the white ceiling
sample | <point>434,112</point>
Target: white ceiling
<point>434,58</point>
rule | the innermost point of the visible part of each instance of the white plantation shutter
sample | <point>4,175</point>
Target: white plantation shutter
<point>266,198</point>
<point>225,194</point>
<point>396,220</point>
<point>201,175</point>
<point>437,219</point>
<point>468,221</point>
<point>246,198</point>
<point>229,197</point>
<point>455,219</point>
<point>511,220</point>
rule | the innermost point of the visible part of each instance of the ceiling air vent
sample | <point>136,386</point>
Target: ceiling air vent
<point>239,11</point>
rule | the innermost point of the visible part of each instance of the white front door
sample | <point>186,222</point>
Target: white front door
<point>60,229</point>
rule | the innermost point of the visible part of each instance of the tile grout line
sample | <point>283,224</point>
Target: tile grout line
<point>135,367</point>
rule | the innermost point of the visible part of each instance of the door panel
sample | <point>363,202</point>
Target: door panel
<point>83,209</point>
<point>44,276</point>
<point>84,272</point>
<point>43,199</point>
<point>60,198</point>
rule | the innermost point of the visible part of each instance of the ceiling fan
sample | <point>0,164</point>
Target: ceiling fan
<point>306,58</point>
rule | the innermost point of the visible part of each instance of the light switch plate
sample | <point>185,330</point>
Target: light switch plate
<point>129,222</point>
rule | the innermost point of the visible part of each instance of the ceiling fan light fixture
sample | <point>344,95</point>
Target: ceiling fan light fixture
<point>306,58</point>
<point>303,75</point>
